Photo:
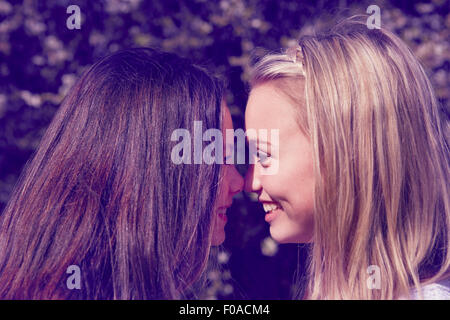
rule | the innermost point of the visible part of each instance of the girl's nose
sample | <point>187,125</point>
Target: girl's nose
<point>237,183</point>
<point>252,182</point>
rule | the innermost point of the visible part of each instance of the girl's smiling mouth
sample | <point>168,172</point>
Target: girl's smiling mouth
<point>271,210</point>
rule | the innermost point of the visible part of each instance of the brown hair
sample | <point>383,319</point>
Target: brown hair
<point>101,191</point>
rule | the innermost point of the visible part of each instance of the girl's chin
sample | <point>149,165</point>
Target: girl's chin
<point>218,238</point>
<point>282,237</point>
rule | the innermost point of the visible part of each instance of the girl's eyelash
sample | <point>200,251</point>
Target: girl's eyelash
<point>225,159</point>
<point>264,154</point>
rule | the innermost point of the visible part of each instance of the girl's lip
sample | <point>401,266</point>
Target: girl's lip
<point>222,210</point>
<point>272,203</point>
<point>226,206</point>
<point>269,202</point>
<point>270,216</point>
<point>223,216</point>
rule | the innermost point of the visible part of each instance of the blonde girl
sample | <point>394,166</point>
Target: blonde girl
<point>363,164</point>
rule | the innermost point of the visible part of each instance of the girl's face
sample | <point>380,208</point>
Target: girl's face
<point>290,190</point>
<point>231,182</point>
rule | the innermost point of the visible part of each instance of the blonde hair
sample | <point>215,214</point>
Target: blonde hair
<point>381,160</point>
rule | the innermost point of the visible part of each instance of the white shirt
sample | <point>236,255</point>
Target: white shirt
<point>434,291</point>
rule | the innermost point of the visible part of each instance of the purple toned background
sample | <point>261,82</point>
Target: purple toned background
<point>40,58</point>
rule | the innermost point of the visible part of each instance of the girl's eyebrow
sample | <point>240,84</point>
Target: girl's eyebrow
<point>264,142</point>
<point>257,144</point>
<point>228,148</point>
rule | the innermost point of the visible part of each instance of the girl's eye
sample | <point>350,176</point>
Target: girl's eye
<point>228,160</point>
<point>263,157</point>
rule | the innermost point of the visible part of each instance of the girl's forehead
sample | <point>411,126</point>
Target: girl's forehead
<point>267,108</point>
